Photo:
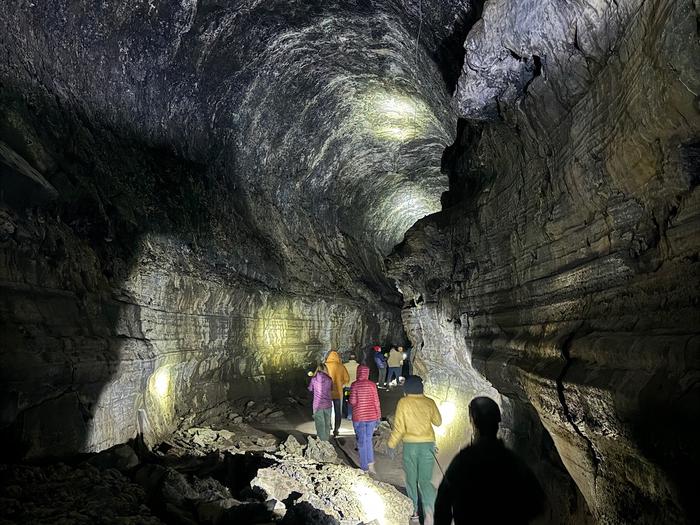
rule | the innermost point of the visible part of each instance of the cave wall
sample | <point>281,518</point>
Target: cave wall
<point>567,255</point>
<point>101,342</point>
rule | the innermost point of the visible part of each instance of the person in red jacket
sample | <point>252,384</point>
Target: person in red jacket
<point>366,414</point>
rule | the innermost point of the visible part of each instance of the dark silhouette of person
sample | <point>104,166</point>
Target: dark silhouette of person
<point>486,483</point>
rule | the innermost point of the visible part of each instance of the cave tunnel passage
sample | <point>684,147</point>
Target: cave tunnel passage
<point>200,199</point>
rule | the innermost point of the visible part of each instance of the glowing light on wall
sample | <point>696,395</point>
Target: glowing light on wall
<point>393,116</point>
<point>160,382</point>
<point>372,502</point>
<point>396,133</point>
<point>448,410</point>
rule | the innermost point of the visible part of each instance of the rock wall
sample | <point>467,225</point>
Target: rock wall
<point>88,363</point>
<point>567,255</point>
<point>121,312</point>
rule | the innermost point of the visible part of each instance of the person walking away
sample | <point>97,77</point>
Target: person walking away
<point>413,425</point>
<point>339,375</point>
<point>394,362</point>
<point>366,414</point>
<point>321,385</point>
<point>486,482</point>
<point>351,367</point>
<point>380,361</point>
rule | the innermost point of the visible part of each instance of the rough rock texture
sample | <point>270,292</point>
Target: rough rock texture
<point>567,263</point>
<point>338,491</point>
<point>196,198</point>
<point>58,494</point>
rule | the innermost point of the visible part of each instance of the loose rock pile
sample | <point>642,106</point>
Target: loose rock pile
<point>239,411</point>
<point>62,494</point>
<point>202,475</point>
<point>342,494</point>
<point>237,438</point>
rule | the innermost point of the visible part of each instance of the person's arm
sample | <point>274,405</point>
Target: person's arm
<point>377,405</point>
<point>437,417</point>
<point>399,427</point>
<point>311,384</point>
<point>346,376</point>
<point>353,397</point>
<point>443,504</point>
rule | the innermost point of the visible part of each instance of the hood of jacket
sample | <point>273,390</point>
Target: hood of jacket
<point>362,372</point>
<point>333,357</point>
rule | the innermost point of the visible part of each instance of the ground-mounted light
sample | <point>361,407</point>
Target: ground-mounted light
<point>372,502</point>
<point>448,411</point>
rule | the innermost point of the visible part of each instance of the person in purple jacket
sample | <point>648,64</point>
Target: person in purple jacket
<point>321,384</point>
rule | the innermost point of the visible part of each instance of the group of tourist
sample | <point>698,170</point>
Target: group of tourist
<point>415,416</point>
<point>466,492</point>
<point>389,365</point>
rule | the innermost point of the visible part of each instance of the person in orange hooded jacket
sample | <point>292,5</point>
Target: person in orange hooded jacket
<point>339,375</point>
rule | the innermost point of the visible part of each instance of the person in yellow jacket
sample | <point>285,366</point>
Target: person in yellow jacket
<point>339,375</point>
<point>413,425</point>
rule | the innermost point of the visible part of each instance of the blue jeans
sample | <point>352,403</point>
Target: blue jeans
<point>363,433</point>
<point>394,371</point>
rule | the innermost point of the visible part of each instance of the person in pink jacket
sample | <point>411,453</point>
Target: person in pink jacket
<point>321,385</point>
<point>366,414</point>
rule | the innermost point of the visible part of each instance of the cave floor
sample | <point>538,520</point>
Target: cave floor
<point>297,422</point>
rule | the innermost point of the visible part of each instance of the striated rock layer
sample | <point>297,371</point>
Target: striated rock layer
<point>566,259</point>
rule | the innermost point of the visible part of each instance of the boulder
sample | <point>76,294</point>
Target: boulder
<point>338,493</point>
<point>120,457</point>
<point>291,447</point>
<point>320,451</point>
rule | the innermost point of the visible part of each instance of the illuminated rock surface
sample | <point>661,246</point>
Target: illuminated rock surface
<point>567,270</point>
<point>199,198</point>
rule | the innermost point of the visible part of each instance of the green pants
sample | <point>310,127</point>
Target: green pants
<point>322,418</point>
<point>418,462</point>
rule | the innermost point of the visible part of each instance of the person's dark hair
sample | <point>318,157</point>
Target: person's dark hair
<point>352,355</point>
<point>413,385</point>
<point>485,416</point>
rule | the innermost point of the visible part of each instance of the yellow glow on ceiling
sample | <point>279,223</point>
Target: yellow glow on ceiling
<point>392,116</point>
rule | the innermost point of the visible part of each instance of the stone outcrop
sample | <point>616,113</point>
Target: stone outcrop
<point>565,269</point>
<point>339,492</point>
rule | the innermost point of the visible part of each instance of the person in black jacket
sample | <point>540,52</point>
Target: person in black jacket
<point>486,483</point>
